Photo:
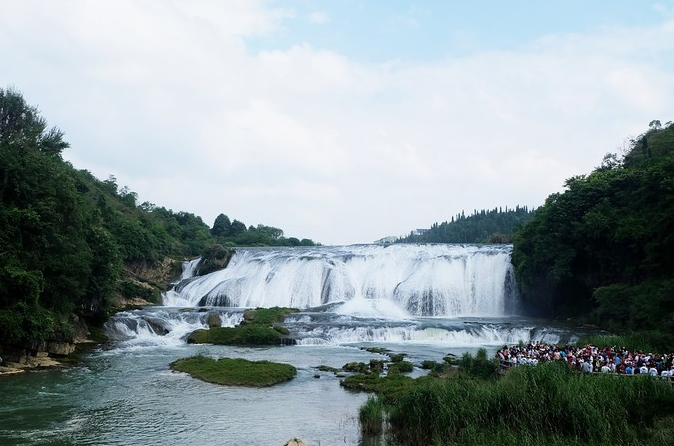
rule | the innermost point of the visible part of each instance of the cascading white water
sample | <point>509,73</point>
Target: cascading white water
<point>444,295</point>
<point>189,267</point>
<point>388,281</point>
<point>483,335</point>
<point>163,326</point>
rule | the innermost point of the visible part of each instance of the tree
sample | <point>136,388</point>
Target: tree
<point>603,249</point>
<point>238,227</point>
<point>270,231</point>
<point>22,126</point>
<point>222,226</point>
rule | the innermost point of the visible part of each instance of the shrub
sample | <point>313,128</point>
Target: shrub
<point>401,367</point>
<point>428,364</point>
<point>371,416</point>
<point>479,366</point>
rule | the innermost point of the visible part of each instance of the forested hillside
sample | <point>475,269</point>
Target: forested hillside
<point>66,237</point>
<point>603,250</point>
<point>493,226</point>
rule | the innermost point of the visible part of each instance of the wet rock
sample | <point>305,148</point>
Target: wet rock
<point>295,442</point>
<point>214,320</point>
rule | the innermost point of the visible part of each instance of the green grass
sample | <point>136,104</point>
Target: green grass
<point>646,341</point>
<point>371,416</point>
<point>388,387</point>
<point>235,372</point>
<point>547,404</point>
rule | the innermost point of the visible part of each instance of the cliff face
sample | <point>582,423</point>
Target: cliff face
<point>142,283</point>
<point>160,274</point>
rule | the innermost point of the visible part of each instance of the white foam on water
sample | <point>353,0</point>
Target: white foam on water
<point>391,281</point>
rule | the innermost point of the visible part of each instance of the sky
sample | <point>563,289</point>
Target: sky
<point>341,121</point>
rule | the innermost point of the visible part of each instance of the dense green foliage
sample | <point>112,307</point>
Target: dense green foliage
<point>494,226</point>
<point>235,233</point>
<point>235,371</point>
<point>57,255</point>
<point>65,236</point>
<point>604,248</point>
<point>643,340</point>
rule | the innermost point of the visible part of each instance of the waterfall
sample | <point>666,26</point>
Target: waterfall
<point>163,326</point>
<point>396,281</point>
<point>489,334</point>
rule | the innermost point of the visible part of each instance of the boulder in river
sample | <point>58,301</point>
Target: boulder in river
<point>295,442</point>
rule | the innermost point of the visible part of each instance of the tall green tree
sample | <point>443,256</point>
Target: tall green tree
<point>604,248</point>
<point>222,226</point>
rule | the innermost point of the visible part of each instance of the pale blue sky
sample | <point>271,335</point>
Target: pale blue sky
<point>341,121</point>
<point>381,30</point>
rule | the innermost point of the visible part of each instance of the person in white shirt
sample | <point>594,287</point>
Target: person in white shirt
<point>586,367</point>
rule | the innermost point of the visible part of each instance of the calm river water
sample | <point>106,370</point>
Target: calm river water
<point>125,393</point>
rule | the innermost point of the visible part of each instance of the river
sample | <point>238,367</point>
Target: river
<point>423,300</point>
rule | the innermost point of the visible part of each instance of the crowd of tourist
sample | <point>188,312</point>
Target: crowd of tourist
<point>589,358</point>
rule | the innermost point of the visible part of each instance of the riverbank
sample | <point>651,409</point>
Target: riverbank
<point>39,363</point>
<point>58,354</point>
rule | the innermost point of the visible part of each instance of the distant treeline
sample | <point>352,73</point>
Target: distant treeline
<point>603,250</point>
<point>65,236</point>
<point>485,226</point>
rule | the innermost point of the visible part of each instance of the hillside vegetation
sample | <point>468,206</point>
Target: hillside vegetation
<point>486,226</point>
<point>603,250</point>
<point>67,238</point>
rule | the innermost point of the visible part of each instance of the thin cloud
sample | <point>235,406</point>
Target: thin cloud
<point>318,17</point>
<point>172,100</point>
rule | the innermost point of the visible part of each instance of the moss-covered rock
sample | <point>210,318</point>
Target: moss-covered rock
<point>259,327</point>
<point>398,357</point>
<point>428,364</point>
<point>214,258</point>
<point>245,335</point>
<point>282,330</point>
<point>401,367</point>
<point>214,320</point>
<point>267,316</point>
<point>380,350</point>
<point>235,371</point>
<point>200,336</point>
<point>356,367</point>
<point>325,368</point>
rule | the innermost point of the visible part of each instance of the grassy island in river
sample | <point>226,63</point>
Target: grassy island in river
<point>235,371</point>
<point>260,326</point>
